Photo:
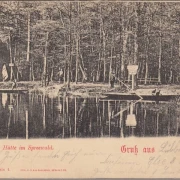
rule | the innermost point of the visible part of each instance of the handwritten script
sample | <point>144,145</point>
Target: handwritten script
<point>165,162</point>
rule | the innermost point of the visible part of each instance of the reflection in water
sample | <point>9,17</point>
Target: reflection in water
<point>4,99</point>
<point>131,118</point>
<point>37,116</point>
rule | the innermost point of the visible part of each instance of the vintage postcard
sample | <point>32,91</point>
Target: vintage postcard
<point>89,89</point>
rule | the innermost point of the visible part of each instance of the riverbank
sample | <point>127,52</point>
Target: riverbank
<point>87,89</point>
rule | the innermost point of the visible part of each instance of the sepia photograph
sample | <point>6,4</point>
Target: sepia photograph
<point>100,72</point>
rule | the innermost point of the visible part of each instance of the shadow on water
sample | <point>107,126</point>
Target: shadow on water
<point>29,116</point>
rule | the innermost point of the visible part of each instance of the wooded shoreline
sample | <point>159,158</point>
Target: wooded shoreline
<point>90,40</point>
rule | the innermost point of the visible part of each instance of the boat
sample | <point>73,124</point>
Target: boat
<point>148,97</point>
<point>13,90</point>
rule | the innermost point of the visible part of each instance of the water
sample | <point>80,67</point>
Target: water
<point>29,116</point>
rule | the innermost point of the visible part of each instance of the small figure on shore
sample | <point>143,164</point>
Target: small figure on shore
<point>84,77</point>
<point>43,77</point>
<point>112,79</point>
<point>14,84</point>
<point>60,75</point>
<point>48,78</point>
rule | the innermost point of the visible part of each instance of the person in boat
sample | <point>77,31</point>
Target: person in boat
<point>14,84</point>
<point>153,92</point>
<point>112,79</point>
<point>156,92</point>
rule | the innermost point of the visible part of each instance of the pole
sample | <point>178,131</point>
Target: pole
<point>10,55</point>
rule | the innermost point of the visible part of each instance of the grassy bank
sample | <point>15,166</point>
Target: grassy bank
<point>87,89</point>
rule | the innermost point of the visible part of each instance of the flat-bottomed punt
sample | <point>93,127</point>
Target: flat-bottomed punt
<point>133,96</point>
<point>13,90</point>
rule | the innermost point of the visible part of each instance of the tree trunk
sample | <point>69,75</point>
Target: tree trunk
<point>124,43</point>
<point>33,78</point>
<point>160,50</point>
<point>147,48</point>
<point>160,54</point>
<point>77,58</point>
<point>70,47</point>
<point>98,68</point>
<point>77,44</point>
<point>10,55</point>
<point>52,72</point>
<point>104,56</point>
<point>171,64</point>
<point>15,56</point>
<point>45,59</point>
<point>111,58</point>
<point>125,36</point>
<point>110,66</point>
<point>179,47</point>
<point>65,55</point>
<point>135,40</point>
<point>28,46</point>
<point>103,44</point>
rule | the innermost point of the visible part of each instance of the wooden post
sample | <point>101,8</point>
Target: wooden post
<point>132,69</point>
<point>132,81</point>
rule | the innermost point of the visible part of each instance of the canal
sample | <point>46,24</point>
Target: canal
<point>32,116</point>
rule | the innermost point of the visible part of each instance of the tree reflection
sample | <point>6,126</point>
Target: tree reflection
<point>38,116</point>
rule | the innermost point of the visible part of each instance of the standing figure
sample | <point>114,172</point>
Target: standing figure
<point>84,80</point>
<point>60,75</point>
<point>14,84</point>
<point>48,78</point>
<point>112,80</point>
<point>43,79</point>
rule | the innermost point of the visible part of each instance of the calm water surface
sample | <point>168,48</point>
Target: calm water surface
<point>29,116</point>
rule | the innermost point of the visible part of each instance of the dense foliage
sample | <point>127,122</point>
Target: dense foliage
<point>89,40</point>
